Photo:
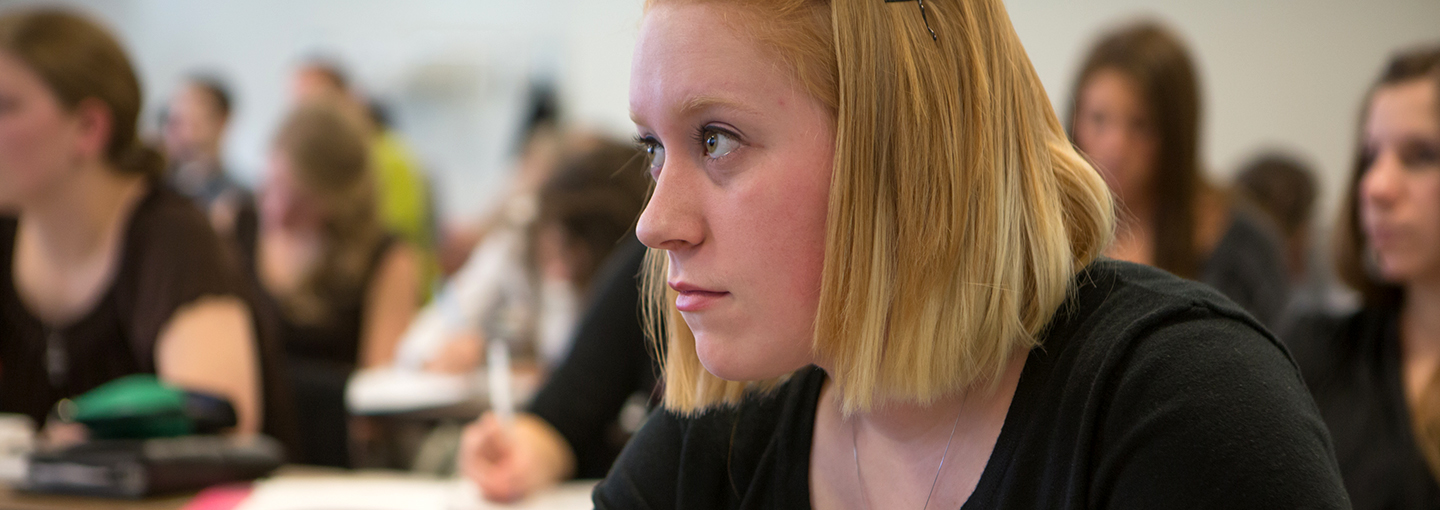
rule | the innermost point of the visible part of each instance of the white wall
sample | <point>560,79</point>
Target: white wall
<point>1276,73</point>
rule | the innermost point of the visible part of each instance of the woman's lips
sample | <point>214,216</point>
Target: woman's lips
<point>698,300</point>
<point>695,299</point>
<point>1382,237</point>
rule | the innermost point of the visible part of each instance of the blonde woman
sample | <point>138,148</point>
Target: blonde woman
<point>334,287</point>
<point>876,260</point>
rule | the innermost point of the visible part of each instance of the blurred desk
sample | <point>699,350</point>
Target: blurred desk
<point>305,487</point>
<point>382,490</point>
<point>10,499</point>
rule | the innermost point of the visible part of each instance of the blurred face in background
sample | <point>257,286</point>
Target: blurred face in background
<point>741,157</point>
<point>284,203</point>
<point>194,126</point>
<point>40,140</point>
<point>1399,192</point>
<point>1116,130</point>
<point>313,84</point>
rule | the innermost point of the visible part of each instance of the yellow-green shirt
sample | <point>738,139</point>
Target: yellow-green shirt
<point>405,201</point>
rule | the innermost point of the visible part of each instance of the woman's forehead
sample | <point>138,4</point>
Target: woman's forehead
<point>688,60</point>
<point>1405,108</point>
<point>15,75</point>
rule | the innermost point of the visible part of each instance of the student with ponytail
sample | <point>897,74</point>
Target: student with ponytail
<point>332,286</point>
<point>103,272</point>
<point>1374,373</point>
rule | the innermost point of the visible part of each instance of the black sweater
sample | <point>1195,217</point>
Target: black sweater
<point>1148,392</point>
<point>1352,365</point>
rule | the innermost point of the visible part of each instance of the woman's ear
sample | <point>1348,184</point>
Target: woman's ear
<point>94,123</point>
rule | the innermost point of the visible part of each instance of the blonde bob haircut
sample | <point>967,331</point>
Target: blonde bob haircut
<point>959,212</point>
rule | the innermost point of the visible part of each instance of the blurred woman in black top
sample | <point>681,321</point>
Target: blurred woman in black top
<point>1373,373</point>
<point>105,272</point>
<point>1136,114</point>
<point>335,288</point>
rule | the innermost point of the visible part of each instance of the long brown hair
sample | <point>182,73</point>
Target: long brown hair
<point>79,60</point>
<point>1351,244</point>
<point>1159,64</point>
<point>330,159</point>
<point>1350,241</point>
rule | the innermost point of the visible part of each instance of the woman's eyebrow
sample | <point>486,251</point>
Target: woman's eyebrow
<point>701,103</point>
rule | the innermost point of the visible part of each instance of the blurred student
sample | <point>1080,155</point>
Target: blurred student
<point>582,234</point>
<point>104,272</point>
<point>586,213</point>
<point>334,286</point>
<point>582,213</point>
<point>403,197</point>
<point>1284,188</point>
<point>1373,373</point>
<point>1136,115</point>
<point>574,425</point>
<point>194,133</point>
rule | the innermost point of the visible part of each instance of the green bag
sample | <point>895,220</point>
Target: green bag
<point>131,407</point>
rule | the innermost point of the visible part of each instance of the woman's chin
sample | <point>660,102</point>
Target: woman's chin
<point>725,359</point>
<point>1399,270</point>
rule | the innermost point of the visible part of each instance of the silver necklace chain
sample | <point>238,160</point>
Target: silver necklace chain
<point>855,451</point>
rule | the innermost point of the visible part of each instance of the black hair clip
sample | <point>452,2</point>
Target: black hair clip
<point>922,16</point>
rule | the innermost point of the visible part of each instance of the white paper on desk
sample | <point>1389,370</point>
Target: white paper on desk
<point>360,493</point>
<point>388,390</point>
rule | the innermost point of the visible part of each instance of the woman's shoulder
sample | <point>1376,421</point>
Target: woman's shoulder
<point>169,235</point>
<point>168,221</point>
<point>1125,318</point>
<point>1132,297</point>
<point>171,258</point>
<point>1249,246</point>
<point>1144,368</point>
<point>1251,227</point>
<point>1120,307</point>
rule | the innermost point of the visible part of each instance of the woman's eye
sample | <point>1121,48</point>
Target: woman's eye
<point>719,143</point>
<point>655,153</point>
<point>1420,155</point>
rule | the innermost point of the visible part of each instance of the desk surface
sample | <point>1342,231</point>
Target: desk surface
<point>571,495</point>
<point>11,499</point>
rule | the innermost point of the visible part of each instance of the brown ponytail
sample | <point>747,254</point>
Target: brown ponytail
<point>78,59</point>
<point>141,159</point>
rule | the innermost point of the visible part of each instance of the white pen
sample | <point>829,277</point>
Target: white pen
<point>498,368</point>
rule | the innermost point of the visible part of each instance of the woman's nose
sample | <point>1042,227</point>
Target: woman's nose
<point>672,220</point>
<point>1382,184</point>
